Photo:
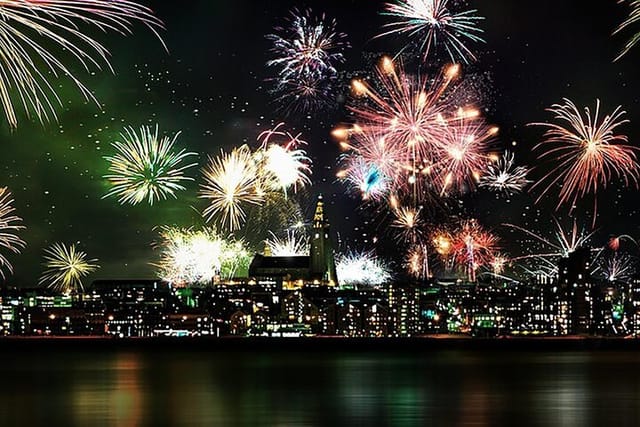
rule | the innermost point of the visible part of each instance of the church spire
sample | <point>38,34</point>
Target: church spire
<point>318,216</point>
<point>322,264</point>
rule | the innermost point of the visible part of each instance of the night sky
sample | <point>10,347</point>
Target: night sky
<point>211,86</point>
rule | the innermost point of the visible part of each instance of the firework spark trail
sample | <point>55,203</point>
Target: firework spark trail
<point>566,242</point>
<point>31,31</point>
<point>65,268</point>
<point>503,176</point>
<point>563,243</point>
<point>9,225</point>
<point>436,25</point>
<point>362,268</point>
<point>632,19</point>
<point>585,153</point>
<point>231,181</point>
<point>190,257</point>
<point>146,167</point>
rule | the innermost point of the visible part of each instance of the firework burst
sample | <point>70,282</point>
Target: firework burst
<point>464,155</point>
<point>407,111</point>
<point>9,225</point>
<point>292,244</point>
<point>305,53</point>
<point>408,222</point>
<point>146,167</point>
<point>282,163</point>
<point>36,35</point>
<point>65,268</point>
<point>474,247</point>
<point>364,178</point>
<point>585,152</point>
<point>190,257</point>
<point>370,164</point>
<point>406,127</point>
<point>616,267</point>
<point>503,176</point>
<point>362,269</point>
<point>435,25</point>
<point>417,262</point>
<point>231,181</point>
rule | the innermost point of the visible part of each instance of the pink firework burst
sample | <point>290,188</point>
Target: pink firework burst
<point>474,247</point>
<point>585,153</point>
<point>464,154</point>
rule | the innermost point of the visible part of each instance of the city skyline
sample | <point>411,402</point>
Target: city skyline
<point>219,96</point>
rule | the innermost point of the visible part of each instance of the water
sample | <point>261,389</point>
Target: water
<point>121,387</point>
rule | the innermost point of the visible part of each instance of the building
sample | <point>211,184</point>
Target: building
<point>293,272</point>
<point>574,279</point>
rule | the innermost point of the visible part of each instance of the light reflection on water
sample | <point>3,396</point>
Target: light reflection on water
<point>450,388</point>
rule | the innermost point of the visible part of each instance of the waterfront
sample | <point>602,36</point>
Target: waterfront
<point>411,387</point>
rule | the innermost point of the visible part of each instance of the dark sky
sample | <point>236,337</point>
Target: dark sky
<point>210,85</point>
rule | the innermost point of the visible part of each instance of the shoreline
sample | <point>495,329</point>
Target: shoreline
<point>324,344</point>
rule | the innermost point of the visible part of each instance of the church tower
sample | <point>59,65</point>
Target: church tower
<point>322,264</point>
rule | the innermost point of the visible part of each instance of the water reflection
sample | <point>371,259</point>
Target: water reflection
<point>310,389</point>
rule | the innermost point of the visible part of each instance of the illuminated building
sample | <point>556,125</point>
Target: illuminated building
<point>575,280</point>
<point>404,310</point>
<point>293,272</point>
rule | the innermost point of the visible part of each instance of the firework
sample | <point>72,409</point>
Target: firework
<point>9,225</point>
<point>435,25</point>
<point>614,242</point>
<point>474,247</point>
<point>362,268</point>
<point>564,242</point>
<point>585,152</point>
<point>616,267</point>
<point>498,264</point>
<point>364,178</point>
<point>464,154</point>
<point>561,244</point>
<point>407,220</point>
<point>503,176</point>
<point>146,167</point>
<point>305,53</point>
<point>633,19</point>
<point>231,181</point>
<point>405,112</point>
<point>65,268</point>
<point>402,128</point>
<point>440,242</point>
<point>191,257</point>
<point>292,244</point>
<point>283,165</point>
<point>417,262</point>
<point>36,35</point>
<point>370,167</point>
